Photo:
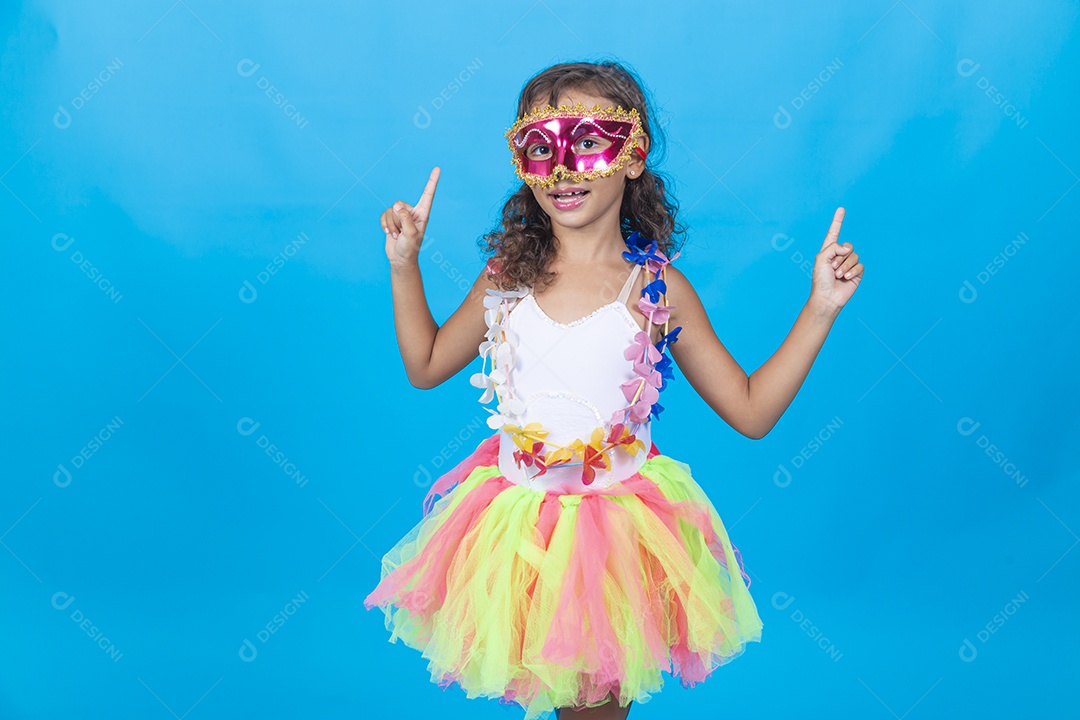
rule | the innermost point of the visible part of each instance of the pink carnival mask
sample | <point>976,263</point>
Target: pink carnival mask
<point>573,143</point>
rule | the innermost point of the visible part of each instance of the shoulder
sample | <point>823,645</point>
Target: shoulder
<point>676,278</point>
<point>489,275</point>
<point>686,305</point>
<point>487,286</point>
<point>481,287</point>
<point>678,284</point>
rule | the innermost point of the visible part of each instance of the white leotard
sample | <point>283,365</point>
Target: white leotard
<point>569,375</point>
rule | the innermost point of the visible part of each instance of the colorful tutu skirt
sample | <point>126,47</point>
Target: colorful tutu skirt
<point>549,600</point>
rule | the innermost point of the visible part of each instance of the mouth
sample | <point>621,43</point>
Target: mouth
<point>568,198</point>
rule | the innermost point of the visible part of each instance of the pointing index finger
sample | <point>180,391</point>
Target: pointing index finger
<point>423,205</point>
<point>834,230</point>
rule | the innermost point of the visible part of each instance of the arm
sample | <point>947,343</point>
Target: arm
<point>753,404</point>
<point>750,404</point>
<point>431,354</point>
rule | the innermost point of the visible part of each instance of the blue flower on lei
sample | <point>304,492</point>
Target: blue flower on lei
<point>668,340</point>
<point>663,366</point>
<point>647,250</point>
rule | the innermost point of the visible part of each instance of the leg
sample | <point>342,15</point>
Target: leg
<point>608,711</point>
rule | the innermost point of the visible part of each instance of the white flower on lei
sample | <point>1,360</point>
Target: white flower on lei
<point>499,347</point>
<point>509,410</point>
<point>481,379</point>
<point>486,382</point>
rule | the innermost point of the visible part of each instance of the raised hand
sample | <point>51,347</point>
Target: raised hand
<point>837,270</point>
<point>405,224</point>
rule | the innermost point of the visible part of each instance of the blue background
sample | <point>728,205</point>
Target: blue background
<point>187,257</point>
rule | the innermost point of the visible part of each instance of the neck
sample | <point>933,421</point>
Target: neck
<point>588,244</point>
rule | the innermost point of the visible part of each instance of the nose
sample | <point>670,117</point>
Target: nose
<point>561,154</point>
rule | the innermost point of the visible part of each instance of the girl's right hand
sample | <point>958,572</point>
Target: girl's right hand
<point>404,226</point>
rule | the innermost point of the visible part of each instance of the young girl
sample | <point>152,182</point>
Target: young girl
<point>567,562</point>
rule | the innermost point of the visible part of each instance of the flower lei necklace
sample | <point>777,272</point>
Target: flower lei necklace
<point>652,370</point>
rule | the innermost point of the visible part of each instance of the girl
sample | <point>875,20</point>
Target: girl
<point>567,561</point>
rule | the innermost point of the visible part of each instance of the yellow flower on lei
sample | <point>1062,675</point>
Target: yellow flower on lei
<point>560,455</point>
<point>524,437</point>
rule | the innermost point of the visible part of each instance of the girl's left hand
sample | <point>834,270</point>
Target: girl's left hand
<point>837,270</point>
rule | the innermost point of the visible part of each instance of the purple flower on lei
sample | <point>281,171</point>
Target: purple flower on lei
<point>657,314</point>
<point>641,391</point>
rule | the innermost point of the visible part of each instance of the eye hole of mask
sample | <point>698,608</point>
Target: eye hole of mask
<point>589,144</point>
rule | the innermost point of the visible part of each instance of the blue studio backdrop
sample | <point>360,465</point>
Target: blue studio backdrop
<point>211,441</point>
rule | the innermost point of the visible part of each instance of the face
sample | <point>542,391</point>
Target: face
<point>552,151</point>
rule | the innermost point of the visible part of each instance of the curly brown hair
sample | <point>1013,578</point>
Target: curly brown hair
<point>524,244</point>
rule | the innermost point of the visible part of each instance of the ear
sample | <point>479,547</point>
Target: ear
<point>635,165</point>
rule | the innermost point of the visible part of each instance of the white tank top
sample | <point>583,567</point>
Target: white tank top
<point>571,379</point>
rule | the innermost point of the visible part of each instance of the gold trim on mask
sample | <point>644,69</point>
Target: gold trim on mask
<point>577,110</point>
